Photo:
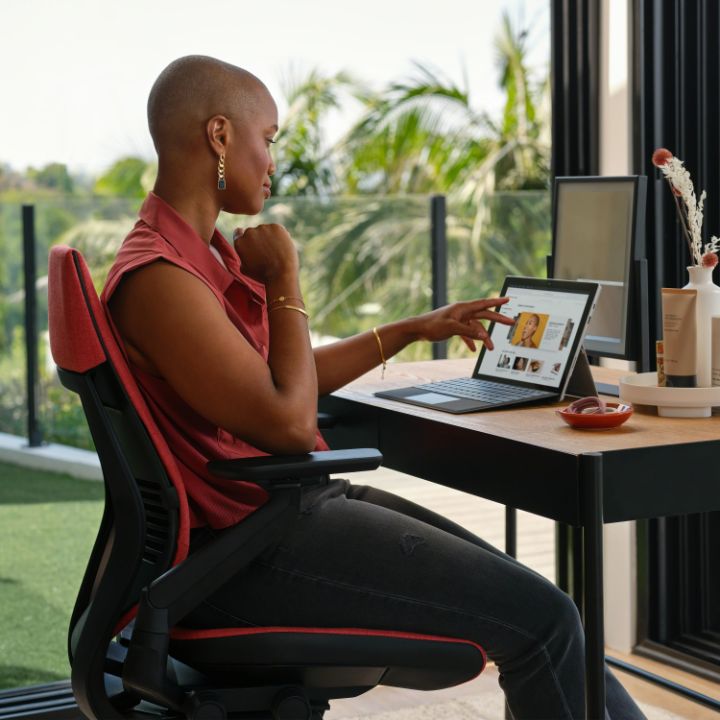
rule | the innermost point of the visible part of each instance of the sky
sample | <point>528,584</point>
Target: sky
<point>76,73</point>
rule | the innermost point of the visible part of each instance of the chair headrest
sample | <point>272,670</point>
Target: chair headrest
<point>73,310</point>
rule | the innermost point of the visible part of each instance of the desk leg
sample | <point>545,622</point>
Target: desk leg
<point>592,512</point>
<point>511,550</point>
<point>569,562</point>
<point>578,567</point>
<point>510,531</point>
<point>562,558</point>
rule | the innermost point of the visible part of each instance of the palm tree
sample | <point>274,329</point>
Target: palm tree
<point>417,137</point>
<point>302,159</point>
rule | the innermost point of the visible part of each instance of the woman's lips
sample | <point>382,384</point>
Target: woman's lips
<point>266,190</point>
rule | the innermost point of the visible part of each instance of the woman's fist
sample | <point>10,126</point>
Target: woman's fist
<point>266,251</point>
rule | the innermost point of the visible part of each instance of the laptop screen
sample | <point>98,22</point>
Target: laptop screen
<point>550,320</point>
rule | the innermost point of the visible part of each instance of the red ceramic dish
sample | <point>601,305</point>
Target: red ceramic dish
<point>615,415</point>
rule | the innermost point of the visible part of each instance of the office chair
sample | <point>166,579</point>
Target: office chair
<point>130,655</point>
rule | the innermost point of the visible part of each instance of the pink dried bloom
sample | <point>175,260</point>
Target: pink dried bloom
<point>709,260</point>
<point>660,157</point>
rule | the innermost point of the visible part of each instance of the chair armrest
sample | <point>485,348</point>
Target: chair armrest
<point>325,420</point>
<point>271,468</point>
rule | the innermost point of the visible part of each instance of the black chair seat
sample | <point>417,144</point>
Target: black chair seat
<point>328,657</point>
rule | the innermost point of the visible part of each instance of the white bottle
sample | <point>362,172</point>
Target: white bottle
<point>708,305</point>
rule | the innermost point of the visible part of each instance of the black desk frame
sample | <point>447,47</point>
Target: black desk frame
<point>587,490</point>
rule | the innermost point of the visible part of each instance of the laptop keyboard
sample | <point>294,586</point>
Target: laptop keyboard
<point>483,390</point>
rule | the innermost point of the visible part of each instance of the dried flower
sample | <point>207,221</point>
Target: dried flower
<point>709,260</point>
<point>660,157</point>
<point>690,212</point>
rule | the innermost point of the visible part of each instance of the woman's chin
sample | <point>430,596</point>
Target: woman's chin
<point>244,208</point>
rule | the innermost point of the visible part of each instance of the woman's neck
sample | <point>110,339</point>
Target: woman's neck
<point>197,207</point>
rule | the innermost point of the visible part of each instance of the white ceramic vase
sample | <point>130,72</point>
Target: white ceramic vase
<point>708,304</point>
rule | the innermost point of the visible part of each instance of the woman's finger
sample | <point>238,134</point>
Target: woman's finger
<point>480,333</point>
<point>485,303</point>
<point>469,342</point>
<point>494,317</point>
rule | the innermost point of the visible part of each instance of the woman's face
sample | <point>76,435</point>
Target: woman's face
<point>531,325</point>
<point>249,164</point>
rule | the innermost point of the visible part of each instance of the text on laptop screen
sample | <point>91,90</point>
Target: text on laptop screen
<point>536,349</point>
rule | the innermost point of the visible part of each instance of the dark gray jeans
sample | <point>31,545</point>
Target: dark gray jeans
<point>361,557</point>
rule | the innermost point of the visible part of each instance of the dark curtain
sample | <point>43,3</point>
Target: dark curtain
<point>676,101</point>
<point>676,104</point>
<point>575,67</point>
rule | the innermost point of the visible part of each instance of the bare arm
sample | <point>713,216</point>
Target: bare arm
<point>175,327</point>
<point>343,361</point>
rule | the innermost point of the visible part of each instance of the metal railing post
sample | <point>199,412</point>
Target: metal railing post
<point>438,254</point>
<point>31,329</point>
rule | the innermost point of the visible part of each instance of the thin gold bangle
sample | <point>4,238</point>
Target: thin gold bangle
<point>290,307</point>
<point>382,354</point>
<point>285,298</point>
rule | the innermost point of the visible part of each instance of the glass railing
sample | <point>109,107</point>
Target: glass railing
<point>365,261</point>
<point>96,227</point>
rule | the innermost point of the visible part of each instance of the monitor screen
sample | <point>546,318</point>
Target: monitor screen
<point>597,236</point>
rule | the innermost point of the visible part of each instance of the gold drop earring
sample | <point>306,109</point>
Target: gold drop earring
<point>221,172</point>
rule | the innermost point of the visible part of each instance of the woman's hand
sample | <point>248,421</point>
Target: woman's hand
<point>266,252</point>
<point>463,319</point>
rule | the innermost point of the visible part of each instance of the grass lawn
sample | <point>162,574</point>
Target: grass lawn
<point>48,523</point>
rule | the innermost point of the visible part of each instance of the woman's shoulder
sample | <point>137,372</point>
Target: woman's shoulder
<point>142,247</point>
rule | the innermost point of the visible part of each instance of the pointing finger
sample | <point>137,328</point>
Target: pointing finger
<point>469,342</point>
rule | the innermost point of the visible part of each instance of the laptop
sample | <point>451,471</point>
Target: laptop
<point>538,359</point>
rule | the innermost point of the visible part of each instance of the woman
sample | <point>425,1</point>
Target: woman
<point>218,341</point>
<point>526,338</point>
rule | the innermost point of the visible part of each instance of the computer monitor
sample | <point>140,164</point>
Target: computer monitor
<point>599,235</point>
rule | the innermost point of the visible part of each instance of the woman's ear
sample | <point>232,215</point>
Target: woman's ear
<point>218,128</point>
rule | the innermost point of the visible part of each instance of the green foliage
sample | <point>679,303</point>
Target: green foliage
<point>301,165</point>
<point>124,179</point>
<point>13,416</point>
<point>54,176</point>
<point>415,137</point>
<point>420,135</point>
<point>96,227</point>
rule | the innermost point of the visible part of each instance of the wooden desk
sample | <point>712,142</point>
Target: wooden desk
<point>529,459</point>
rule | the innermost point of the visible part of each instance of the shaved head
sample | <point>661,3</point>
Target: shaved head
<point>192,89</point>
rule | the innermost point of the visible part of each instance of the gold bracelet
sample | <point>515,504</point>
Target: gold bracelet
<point>382,354</point>
<point>290,307</point>
<point>285,298</point>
